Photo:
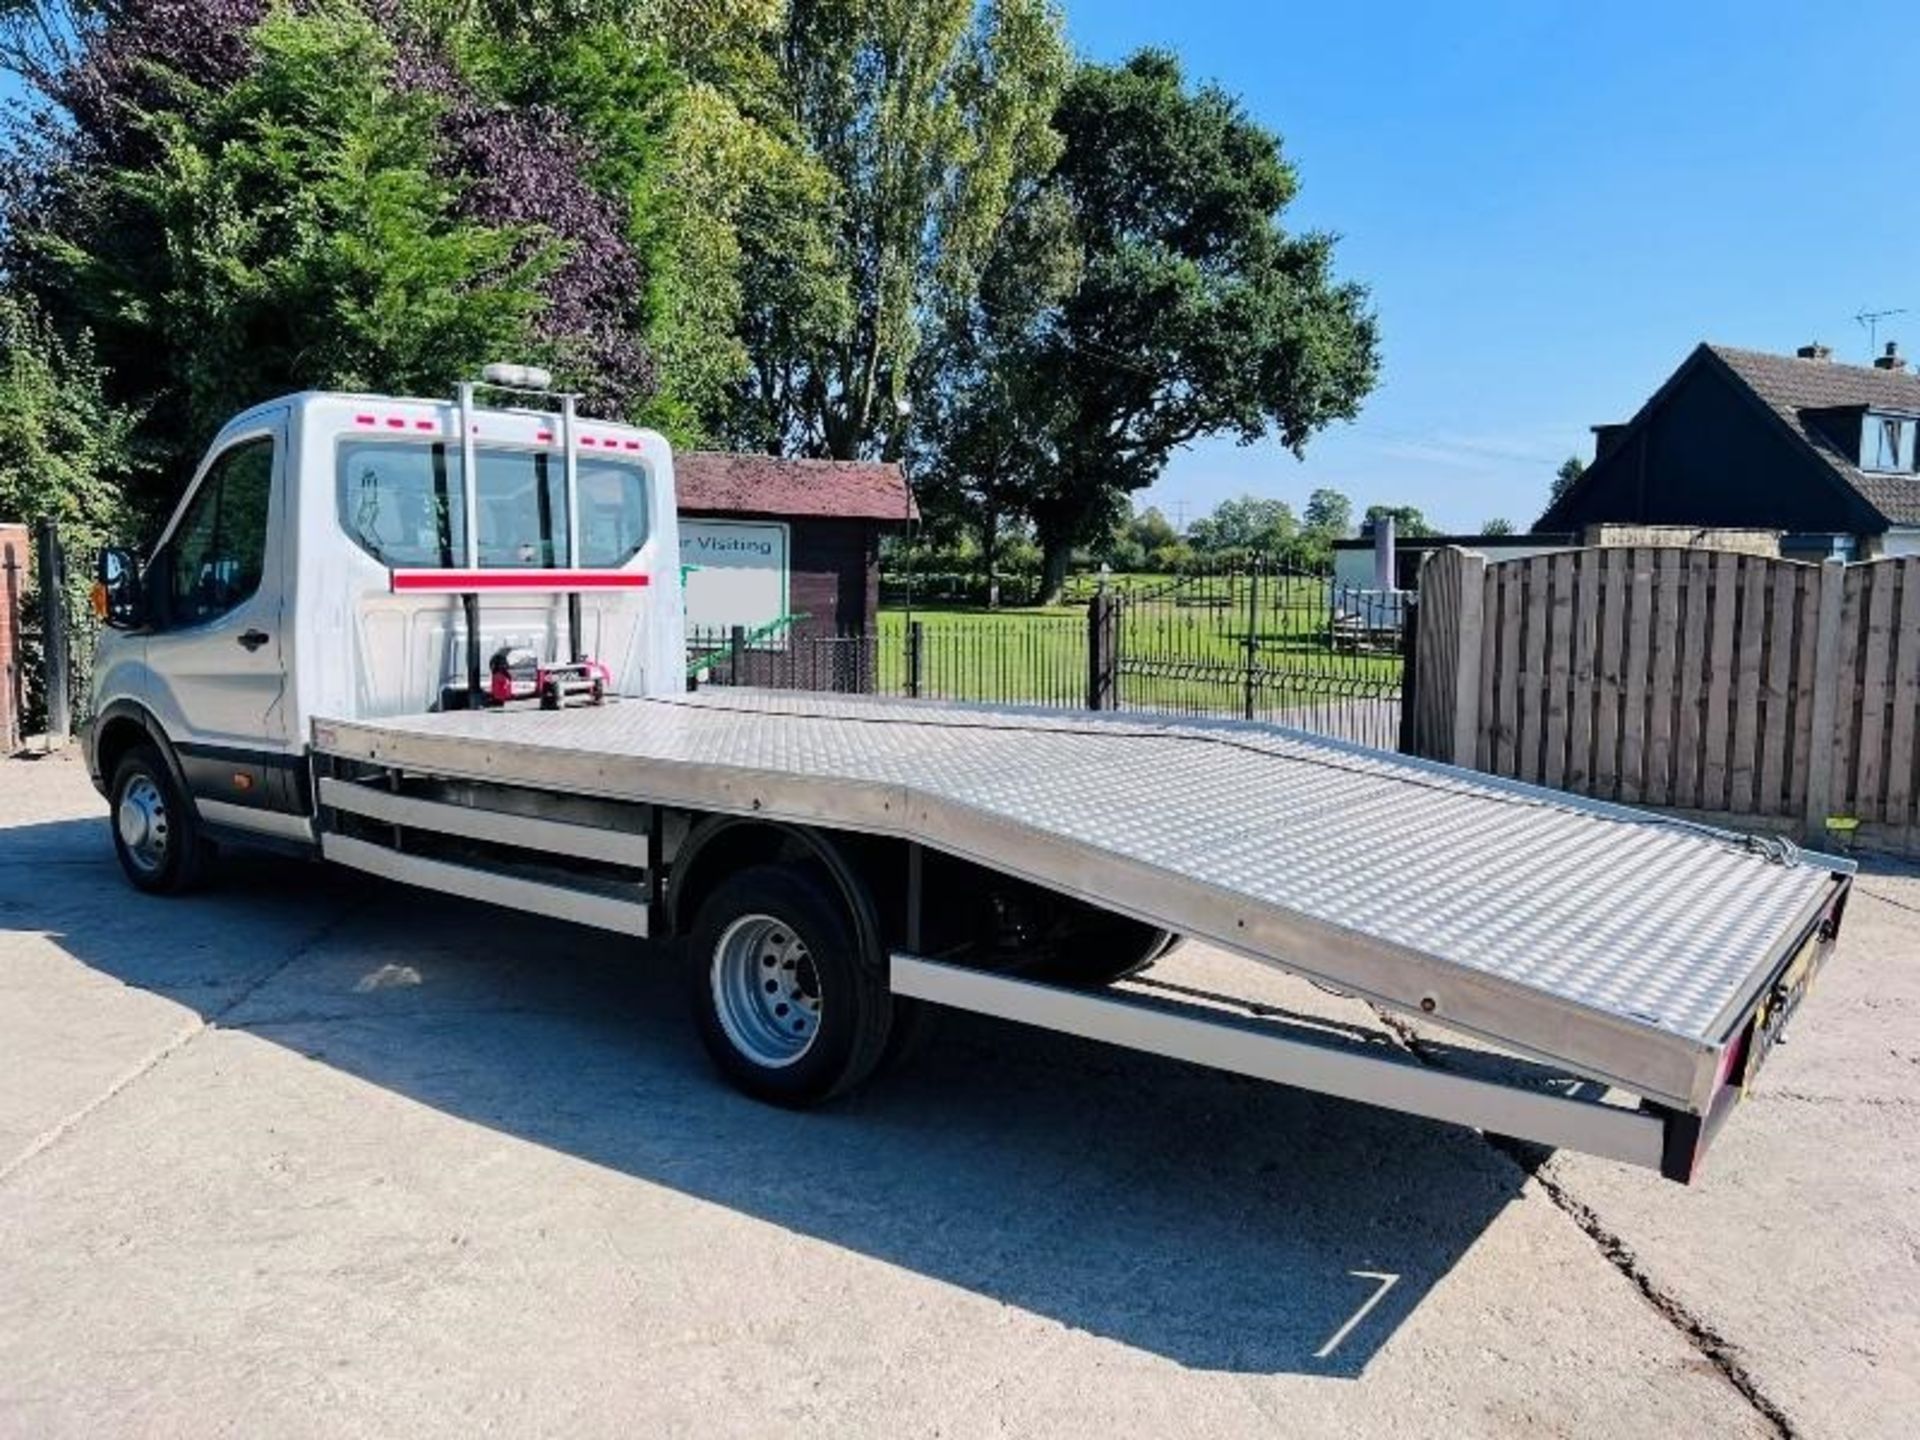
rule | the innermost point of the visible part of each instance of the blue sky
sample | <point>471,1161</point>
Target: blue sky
<point>1552,203</point>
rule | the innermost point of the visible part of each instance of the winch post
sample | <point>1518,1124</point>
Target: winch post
<point>470,536</point>
<point>570,470</point>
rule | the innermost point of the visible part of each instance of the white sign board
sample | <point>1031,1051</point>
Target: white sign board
<point>735,573</point>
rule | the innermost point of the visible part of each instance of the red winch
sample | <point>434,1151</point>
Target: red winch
<point>519,675</point>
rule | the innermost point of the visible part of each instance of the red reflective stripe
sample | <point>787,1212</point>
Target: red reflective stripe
<point>363,420</point>
<point>543,434</point>
<point>633,444</point>
<point>425,425</point>
<point>462,581</point>
<point>394,422</point>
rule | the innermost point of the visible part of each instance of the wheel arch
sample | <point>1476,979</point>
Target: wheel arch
<point>722,845</point>
<point>123,725</point>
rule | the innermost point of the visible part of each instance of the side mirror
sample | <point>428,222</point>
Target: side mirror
<point>118,598</point>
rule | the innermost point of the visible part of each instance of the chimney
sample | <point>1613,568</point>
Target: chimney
<point>1815,351</point>
<point>1891,360</point>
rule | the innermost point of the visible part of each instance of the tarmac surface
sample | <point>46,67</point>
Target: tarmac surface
<point>308,1154</point>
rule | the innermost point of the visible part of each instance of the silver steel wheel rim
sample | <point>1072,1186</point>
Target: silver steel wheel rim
<point>144,825</point>
<point>766,991</point>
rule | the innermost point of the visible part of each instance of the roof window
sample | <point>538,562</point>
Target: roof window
<point>1887,442</point>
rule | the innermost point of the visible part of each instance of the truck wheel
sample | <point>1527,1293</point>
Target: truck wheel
<point>1101,949</point>
<point>787,1005</point>
<point>155,831</point>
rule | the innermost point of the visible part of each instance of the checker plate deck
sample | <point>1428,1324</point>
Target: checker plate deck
<point>1620,945</point>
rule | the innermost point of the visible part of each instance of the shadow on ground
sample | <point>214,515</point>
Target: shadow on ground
<point>1222,1223</point>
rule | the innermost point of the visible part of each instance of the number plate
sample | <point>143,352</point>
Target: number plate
<point>1783,997</point>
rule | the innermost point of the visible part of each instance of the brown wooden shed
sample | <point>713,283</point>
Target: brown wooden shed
<point>835,510</point>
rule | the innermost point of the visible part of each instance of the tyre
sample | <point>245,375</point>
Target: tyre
<point>787,1005</point>
<point>1098,948</point>
<point>156,833</point>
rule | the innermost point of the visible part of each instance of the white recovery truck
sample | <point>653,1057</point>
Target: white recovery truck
<point>314,657</point>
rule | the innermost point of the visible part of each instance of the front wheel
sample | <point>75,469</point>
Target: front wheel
<point>156,833</point>
<point>787,1005</point>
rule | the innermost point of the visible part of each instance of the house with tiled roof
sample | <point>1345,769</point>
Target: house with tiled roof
<point>1823,452</point>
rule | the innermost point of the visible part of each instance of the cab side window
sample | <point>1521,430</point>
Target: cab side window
<point>220,547</point>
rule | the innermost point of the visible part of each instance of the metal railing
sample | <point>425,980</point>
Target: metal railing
<point>1257,643</point>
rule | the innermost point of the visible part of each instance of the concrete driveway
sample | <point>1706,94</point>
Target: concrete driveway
<point>309,1155</point>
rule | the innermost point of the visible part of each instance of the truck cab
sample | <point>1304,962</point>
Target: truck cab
<point>352,556</point>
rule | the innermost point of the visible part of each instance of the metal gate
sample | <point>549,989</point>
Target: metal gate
<point>1264,643</point>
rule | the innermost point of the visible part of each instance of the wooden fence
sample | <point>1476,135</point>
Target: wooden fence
<point>1686,678</point>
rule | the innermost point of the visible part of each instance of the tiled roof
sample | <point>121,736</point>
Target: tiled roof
<point>1790,387</point>
<point>711,483</point>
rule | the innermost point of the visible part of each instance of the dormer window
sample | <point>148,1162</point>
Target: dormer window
<point>1887,442</point>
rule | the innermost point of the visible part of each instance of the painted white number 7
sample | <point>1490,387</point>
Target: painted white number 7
<point>1387,1282</point>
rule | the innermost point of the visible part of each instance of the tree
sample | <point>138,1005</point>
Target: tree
<point>64,450</point>
<point>191,193</point>
<point>1249,523</point>
<point>931,117</point>
<point>1565,478</point>
<point>1152,531</point>
<point>62,444</point>
<point>1408,522</point>
<point>1497,527</point>
<point>1191,313</point>
<point>295,230</point>
<point>1329,514</point>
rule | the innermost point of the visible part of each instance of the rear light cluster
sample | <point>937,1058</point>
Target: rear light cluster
<point>543,437</point>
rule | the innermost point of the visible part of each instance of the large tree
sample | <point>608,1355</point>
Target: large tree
<point>1191,313</point>
<point>240,197</point>
<point>289,229</point>
<point>931,118</point>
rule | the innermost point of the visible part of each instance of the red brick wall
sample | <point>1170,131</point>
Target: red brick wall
<point>15,561</point>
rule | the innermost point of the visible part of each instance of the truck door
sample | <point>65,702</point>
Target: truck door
<point>215,653</point>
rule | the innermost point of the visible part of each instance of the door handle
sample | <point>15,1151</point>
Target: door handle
<point>253,639</point>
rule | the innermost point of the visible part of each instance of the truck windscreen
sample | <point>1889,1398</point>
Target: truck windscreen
<point>399,500</point>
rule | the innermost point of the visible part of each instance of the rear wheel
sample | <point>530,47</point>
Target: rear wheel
<point>1096,947</point>
<point>155,831</point>
<point>788,1006</point>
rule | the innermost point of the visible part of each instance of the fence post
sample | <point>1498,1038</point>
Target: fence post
<point>1466,661</point>
<point>1443,670</point>
<point>1408,740</point>
<point>53,634</point>
<point>1252,646</point>
<point>1826,699</point>
<point>12,692</point>
<point>736,654</point>
<point>1101,667</point>
<point>916,654</point>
